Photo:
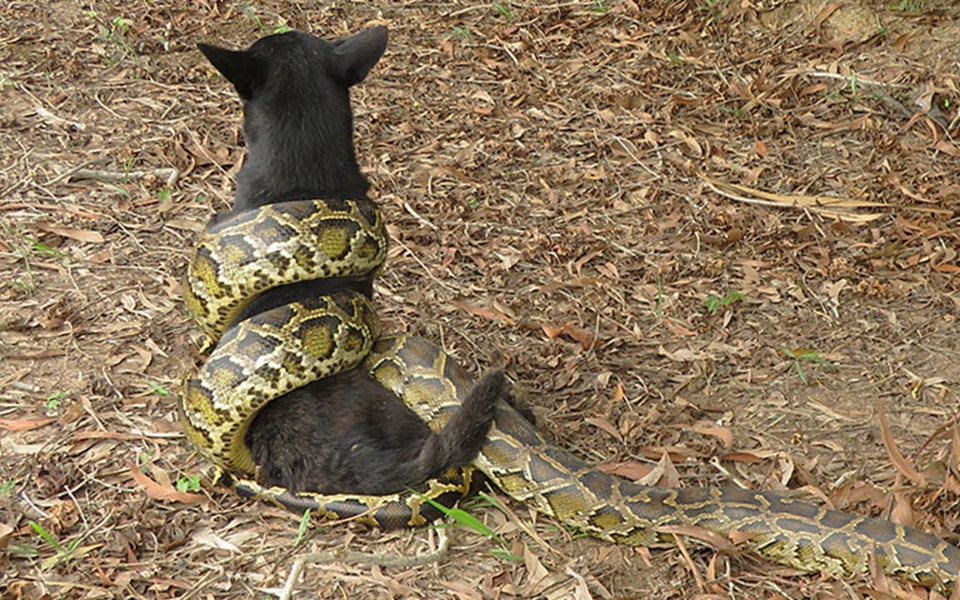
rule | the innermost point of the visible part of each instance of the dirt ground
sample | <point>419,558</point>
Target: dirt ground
<point>614,199</point>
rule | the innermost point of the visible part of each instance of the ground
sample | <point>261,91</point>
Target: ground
<point>614,200</point>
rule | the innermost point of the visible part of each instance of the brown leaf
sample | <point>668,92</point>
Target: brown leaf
<point>159,492</point>
<point>81,235</point>
<point>899,462</point>
<point>25,424</point>
<point>948,148</point>
<point>483,313</point>
<point>707,536</point>
<point>902,513</point>
<point>605,425</point>
<point>629,469</point>
<point>5,533</point>
<point>753,456</point>
<point>577,334</point>
<point>947,268</point>
<point>677,328</point>
<point>724,433</point>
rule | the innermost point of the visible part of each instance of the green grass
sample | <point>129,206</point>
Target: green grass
<point>712,10</point>
<point>304,526</point>
<point>115,35</point>
<point>188,483</point>
<point>63,553</point>
<point>54,399</point>
<point>599,6</point>
<point>460,31</point>
<point>503,9</point>
<point>281,26</point>
<point>714,303</point>
<point>808,357</point>
<point>158,389</point>
<point>26,249</point>
<point>463,518</point>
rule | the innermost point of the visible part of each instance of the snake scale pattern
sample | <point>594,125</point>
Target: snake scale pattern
<point>260,358</point>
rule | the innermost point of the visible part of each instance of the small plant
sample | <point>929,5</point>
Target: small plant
<point>302,529</point>
<point>280,27</point>
<point>712,9</point>
<point>503,9</point>
<point>158,389</point>
<point>144,458</point>
<point>7,487</point>
<point>188,483</point>
<point>599,6</point>
<point>715,303</point>
<point>114,34</point>
<point>53,400</point>
<point>910,6</point>
<point>465,519</point>
<point>25,247</point>
<point>460,31</point>
<point>802,355</point>
<point>64,554</point>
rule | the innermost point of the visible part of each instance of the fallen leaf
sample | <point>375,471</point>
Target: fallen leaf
<point>605,425</point>
<point>899,462</point>
<point>483,313</point>
<point>902,512</point>
<point>25,424</point>
<point>753,456</point>
<point>159,492</point>
<point>81,235</point>
<point>205,537</point>
<point>724,433</point>
<point>5,533</point>
<point>577,334</point>
<point>630,469</point>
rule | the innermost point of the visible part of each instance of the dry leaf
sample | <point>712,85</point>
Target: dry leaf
<point>6,532</point>
<point>901,464</point>
<point>605,425</point>
<point>484,313</point>
<point>577,334</point>
<point>159,492</point>
<point>205,537</point>
<point>81,235</point>
<point>25,424</point>
<point>724,433</point>
<point>629,469</point>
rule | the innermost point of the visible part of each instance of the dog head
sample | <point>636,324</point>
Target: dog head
<point>297,118</point>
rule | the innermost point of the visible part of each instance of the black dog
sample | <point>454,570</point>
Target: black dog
<point>345,433</point>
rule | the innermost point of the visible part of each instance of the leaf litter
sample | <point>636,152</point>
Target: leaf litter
<point>546,173</point>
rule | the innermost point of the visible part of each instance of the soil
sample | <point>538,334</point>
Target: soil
<point>716,242</point>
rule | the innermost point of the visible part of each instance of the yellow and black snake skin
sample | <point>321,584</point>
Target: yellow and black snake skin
<point>253,364</point>
<point>273,352</point>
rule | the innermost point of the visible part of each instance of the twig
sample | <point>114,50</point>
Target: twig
<point>168,175</point>
<point>360,558</point>
<point>417,216</point>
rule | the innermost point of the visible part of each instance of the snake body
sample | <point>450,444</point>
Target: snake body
<point>258,359</point>
<point>533,471</point>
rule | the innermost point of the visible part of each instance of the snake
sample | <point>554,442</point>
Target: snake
<point>262,357</point>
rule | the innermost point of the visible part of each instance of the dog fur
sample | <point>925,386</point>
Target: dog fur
<point>344,433</point>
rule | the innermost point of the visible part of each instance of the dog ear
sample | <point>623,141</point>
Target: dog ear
<point>246,72</point>
<point>354,56</point>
